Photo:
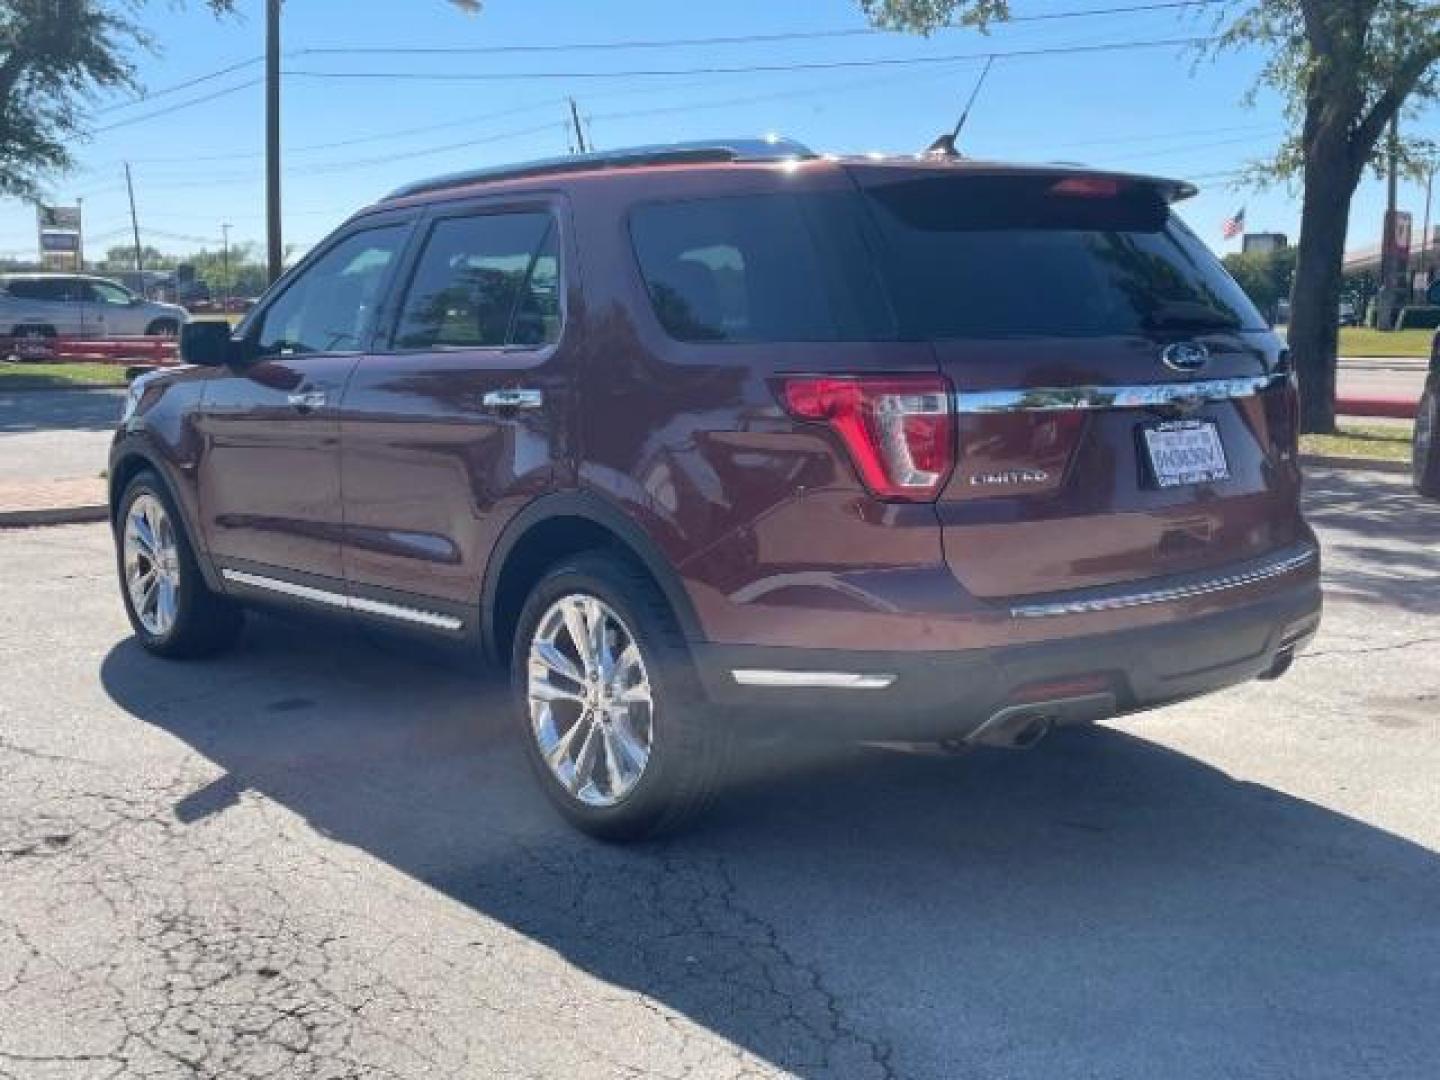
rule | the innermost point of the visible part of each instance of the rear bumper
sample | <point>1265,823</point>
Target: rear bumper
<point>929,695</point>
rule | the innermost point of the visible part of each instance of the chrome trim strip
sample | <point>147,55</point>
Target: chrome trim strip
<point>340,600</point>
<point>1275,568</point>
<point>1139,395</point>
<point>830,680</point>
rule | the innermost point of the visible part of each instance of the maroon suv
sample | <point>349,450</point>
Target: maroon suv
<point>706,437</point>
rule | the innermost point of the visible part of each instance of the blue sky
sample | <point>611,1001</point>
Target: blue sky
<point>351,139</point>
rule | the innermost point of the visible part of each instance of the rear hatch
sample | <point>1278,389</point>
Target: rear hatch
<point>1122,412</point>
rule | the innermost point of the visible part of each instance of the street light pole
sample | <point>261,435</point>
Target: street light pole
<point>274,249</point>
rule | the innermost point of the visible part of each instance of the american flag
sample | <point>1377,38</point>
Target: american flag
<point>1234,225</point>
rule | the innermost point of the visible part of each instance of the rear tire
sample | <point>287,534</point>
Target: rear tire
<point>1426,448</point>
<point>586,723</point>
<point>163,328</point>
<point>173,612</point>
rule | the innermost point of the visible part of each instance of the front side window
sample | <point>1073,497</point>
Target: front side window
<point>328,308</point>
<point>109,293</point>
<point>485,281</point>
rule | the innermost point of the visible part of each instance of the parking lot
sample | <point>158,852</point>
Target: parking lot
<point>323,856</point>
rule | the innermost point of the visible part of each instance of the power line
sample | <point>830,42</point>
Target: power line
<point>177,87</point>
<point>541,106</point>
<point>736,39</point>
<point>894,61</point>
<point>1191,148</point>
<point>168,110</point>
<point>627,114</point>
<point>749,69</point>
<point>1164,135</point>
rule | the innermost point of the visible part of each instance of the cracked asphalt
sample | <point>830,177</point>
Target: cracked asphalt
<point>321,856</point>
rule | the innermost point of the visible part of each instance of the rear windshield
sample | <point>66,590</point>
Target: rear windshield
<point>1032,256</point>
<point>931,258</point>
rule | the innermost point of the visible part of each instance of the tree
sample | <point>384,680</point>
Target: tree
<point>1266,276</point>
<point>122,257</point>
<point>55,57</point>
<point>1345,69</point>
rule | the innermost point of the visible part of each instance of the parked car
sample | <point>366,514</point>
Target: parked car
<point>1425,455</point>
<point>716,438</point>
<point>1348,314</point>
<point>46,305</point>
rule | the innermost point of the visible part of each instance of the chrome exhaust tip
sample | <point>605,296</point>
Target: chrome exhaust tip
<point>1283,661</point>
<point>1021,726</point>
<point>1017,728</point>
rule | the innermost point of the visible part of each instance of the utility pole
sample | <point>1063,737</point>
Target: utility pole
<point>135,228</point>
<point>579,131</point>
<point>80,235</point>
<point>225,264</point>
<point>274,248</point>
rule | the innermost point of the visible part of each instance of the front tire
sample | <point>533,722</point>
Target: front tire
<point>167,328</point>
<point>171,609</point>
<point>613,721</point>
<point>1426,447</point>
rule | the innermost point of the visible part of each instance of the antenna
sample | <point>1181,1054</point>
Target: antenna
<point>944,146</point>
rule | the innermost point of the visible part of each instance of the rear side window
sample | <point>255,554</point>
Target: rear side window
<point>760,268</point>
<point>41,289</point>
<point>977,257</point>
<point>484,281</point>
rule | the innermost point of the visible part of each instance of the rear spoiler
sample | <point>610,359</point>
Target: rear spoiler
<point>1171,190</point>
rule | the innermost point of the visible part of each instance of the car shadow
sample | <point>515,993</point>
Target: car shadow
<point>1101,906</point>
<point>1387,534</point>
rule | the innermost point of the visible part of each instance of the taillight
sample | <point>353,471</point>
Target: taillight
<point>898,429</point>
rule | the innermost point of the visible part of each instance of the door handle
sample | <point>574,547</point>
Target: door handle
<point>307,400</point>
<point>513,399</point>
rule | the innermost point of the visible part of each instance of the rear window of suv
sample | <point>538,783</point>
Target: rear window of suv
<point>1011,256</point>
<point>41,289</point>
<point>926,258</point>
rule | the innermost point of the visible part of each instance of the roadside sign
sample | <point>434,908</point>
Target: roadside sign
<point>60,231</point>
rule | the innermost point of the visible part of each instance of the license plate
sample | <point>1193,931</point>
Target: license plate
<point>1186,452</point>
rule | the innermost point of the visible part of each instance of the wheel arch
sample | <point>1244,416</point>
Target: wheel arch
<point>551,528</point>
<point>134,457</point>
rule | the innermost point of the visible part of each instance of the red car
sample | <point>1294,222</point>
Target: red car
<point>710,438</point>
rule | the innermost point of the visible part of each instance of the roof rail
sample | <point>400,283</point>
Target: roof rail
<point>628,157</point>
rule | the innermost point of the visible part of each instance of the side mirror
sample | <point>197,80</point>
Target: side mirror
<point>208,344</point>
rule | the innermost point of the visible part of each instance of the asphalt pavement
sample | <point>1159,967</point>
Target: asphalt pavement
<point>1381,377</point>
<point>56,434</point>
<point>322,856</point>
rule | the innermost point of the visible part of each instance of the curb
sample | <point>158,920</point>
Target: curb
<point>53,515</point>
<point>1395,408</point>
<point>1334,461</point>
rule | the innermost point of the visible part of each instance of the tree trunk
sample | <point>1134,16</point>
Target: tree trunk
<point>1314,332</point>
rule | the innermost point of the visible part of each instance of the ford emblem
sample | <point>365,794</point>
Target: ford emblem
<point>1185,356</point>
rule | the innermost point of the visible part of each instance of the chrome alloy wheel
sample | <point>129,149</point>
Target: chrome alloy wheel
<point>591,707</point>
<point>152,564</point>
